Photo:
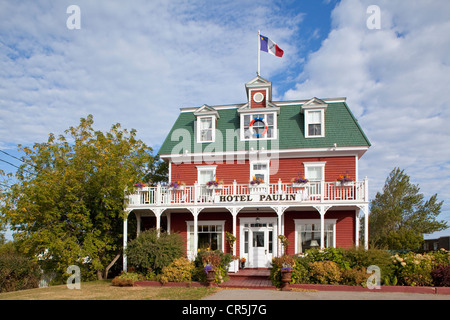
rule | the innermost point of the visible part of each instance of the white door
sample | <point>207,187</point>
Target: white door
<point>259,245</point>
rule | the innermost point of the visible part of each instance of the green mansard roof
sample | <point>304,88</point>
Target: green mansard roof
<point>341,130</point>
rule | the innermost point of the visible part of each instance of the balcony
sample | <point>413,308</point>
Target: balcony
<point>244,194</point>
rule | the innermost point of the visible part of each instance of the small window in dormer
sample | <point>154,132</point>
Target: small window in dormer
<point>314,123</point>
<point>205,129</point>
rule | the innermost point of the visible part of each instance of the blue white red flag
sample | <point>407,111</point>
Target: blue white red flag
<point>269,46</point>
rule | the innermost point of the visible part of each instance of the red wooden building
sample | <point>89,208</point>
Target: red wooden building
<point>257,170</point>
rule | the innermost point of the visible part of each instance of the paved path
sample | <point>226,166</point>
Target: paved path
<point>256,294</point>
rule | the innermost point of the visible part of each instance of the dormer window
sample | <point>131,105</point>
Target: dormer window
<point>205,130</point>
<point>206,123</point>
<point>314,123</point>
<point>314,113</point>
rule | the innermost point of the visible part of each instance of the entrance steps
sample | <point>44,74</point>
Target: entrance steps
<point>249,278</point>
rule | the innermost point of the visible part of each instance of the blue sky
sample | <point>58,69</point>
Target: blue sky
<point>138,63</point>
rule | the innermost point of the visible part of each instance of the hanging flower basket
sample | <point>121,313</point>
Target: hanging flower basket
<point>255,182</point>
<point>214,184</point>
<point>176,185</point>
<point>344,181</point>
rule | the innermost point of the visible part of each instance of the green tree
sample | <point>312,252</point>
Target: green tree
<point>399,216</point>
<point>68,204</point>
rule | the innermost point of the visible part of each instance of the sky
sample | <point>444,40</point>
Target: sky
<point>138,62</point>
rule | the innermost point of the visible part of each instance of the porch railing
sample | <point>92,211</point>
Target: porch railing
<point>317,191</point>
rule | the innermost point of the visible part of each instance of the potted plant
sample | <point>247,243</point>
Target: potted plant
<point>299,182</point>
<point>243,262</point>
<point>344,181</point>
<point>176,185</point>
<point>287,263</point>
<point>214,184</point>
<point>231,239</point>
<point>140,185</point>
<point>255,182</point>
<point>210,275</point>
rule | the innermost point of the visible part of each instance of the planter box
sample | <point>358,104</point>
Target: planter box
<point>344,184</point>
<point>220,186</point>
<point>300,185</point>
<point>180,188</point>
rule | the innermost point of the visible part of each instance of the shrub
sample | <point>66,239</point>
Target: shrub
<point>180,270</point>
<point>217,259</point>
<point>150,252</point>
<point>325,272</point>
<point>355,277</point>
<point>17,272</point>
<point>413,269</point>
<point>441,276</point>
<point>277,264</point>
<point>126,279</point>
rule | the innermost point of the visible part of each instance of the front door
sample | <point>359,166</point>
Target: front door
<point>259,245</point>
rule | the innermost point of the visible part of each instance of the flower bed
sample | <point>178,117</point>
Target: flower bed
<point>349,267</point>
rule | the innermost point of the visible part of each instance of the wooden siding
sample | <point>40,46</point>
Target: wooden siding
<point>284,169</point>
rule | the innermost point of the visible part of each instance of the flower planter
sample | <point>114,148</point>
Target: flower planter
<point>220,186</point>
<point>211,278</point>
<point>180,188</point>
<point>299,185</point>
<point>344,183</point>
<point>286,277</point>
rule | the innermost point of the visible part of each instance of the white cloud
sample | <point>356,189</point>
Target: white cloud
<point>396,80</point>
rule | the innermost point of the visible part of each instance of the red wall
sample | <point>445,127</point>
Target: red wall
<point>285,169</point>
<point>345,225</point>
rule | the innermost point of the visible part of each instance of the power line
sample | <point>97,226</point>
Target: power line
<point>11,164</point>
<point>11,156</point>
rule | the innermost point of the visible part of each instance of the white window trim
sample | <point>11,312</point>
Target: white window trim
<point>203,223</point>
<point>322,123</point>
<point>205,168</point>
<point>252,171</point>
<point>213,129</point>
<point>252,113</point>
<point>315,164</point>
<point>299,222</point>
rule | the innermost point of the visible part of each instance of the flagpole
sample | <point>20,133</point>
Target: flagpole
<point>259,52</point>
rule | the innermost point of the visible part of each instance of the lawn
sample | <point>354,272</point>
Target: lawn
<point>103,290</point>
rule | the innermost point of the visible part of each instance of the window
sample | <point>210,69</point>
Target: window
<point>260,170</point>
<point>314,121</point>
<point>308,234</point>
<point>205,174</point>
<point>210,235</point>
<point>315,173</point>
<point>206,129</point>
<point>258,126</point>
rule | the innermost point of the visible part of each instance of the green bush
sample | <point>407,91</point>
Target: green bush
<point>180,270</point>
<point>17,272</point>
<point>127,279</point>
<point>355,277</point>
<point>414,269</point>
<point>150,252</point>
<point>325,272</point>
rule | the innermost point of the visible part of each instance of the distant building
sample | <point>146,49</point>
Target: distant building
<point>436,244</point>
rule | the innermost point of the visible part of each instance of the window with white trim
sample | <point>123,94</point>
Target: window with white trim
<point>307,233</point>
<point>260,170</point>
<point>314,123</point>
<point>258,125</point>
<point>210,235</point>
<point>206,126</point>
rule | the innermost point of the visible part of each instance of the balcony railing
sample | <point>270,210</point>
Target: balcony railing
<point>318,191</point>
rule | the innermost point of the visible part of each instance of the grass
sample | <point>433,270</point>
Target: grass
<point>103,290</point>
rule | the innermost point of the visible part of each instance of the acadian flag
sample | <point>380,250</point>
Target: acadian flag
<point>269,46</point>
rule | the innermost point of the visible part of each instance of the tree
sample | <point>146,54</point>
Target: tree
<point>68,204</point>
<point>399,216</point>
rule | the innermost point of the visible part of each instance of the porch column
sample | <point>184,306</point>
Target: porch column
<point>138,224</point>
<point>195,211</point>
<point>279,210</point>
<point>125,240</point>
<point>357,215</point>
<point>169,221</point>
<point>366,227</point>
<point>322,210</point>
<point>157,212</point>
